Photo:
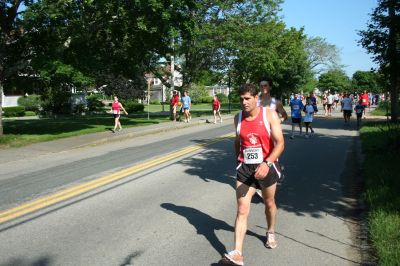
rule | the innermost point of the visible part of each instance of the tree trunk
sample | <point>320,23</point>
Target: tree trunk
<point>394,59</point>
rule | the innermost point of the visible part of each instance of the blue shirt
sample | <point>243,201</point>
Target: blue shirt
<point>186,102</point>
<point>296,105</point>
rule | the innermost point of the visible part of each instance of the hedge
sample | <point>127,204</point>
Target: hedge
<point>15,111</point>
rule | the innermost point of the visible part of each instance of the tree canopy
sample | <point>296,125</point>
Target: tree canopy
<point>382,40</point>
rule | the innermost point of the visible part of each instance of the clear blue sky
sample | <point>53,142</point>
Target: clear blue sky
<point>338,21</point>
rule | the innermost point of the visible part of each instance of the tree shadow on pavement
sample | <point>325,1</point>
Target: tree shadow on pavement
<point>211,164</point>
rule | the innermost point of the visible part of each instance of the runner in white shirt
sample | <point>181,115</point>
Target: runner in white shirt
<point>331,99</point>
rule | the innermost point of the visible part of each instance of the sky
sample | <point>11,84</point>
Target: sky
<point>337,21</point>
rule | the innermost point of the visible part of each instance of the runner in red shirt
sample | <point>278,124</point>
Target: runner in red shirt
<point>116,111</point>
<point>364,100</point>
<point>216,105</point>
<point>174,104</point>
<point>259,143</point>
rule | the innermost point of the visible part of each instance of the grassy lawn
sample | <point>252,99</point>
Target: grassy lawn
<point>23,132</point>
<point>381,145</point>
<point>382,109</point>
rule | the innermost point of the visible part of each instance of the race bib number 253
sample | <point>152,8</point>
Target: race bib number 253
<point>253,155</point>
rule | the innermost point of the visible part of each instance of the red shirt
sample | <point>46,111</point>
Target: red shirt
<point>364,99</point>
<point>174,100</point>
<point>116,107</point>
<point>216,104</point>
<point>255,134</point>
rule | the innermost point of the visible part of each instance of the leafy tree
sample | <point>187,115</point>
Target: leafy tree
<point>13,56</point>
<point>382,40</point>
<point>322,55</point>
<point>334,80</point>
<point>365,80</point>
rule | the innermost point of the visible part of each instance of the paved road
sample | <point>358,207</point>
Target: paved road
<point>181,211</point>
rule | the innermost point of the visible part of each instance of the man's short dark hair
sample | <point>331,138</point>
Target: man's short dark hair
<point>248,87</point>
<point>267,79</point>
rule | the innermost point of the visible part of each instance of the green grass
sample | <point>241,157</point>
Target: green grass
<point>381,145</point>
<point>382,110</point>
<point>19,133</point>
<point>22,132</point>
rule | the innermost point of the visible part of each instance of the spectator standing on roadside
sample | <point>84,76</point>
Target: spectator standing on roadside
<point>216,105</point>
<point>116,107</point>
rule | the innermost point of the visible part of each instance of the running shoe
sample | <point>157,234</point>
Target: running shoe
<point>271,242</point>
<point>235,257</point>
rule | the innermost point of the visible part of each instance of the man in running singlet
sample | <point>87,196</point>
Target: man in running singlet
<point>258,144</point>
<point>267,100</point>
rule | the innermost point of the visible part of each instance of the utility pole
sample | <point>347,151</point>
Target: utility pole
<point>172,65</point>
<point>148,97</point>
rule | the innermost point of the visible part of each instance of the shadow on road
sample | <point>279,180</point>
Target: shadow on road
<point>206,225</point>
<point>43,261</point>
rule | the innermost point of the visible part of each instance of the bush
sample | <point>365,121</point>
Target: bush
<point>155,102</point>
<point>30,113</point>
<point>222,98</point>
<point>235,98</point>
<point>132,106</point>
<point>206,99</point>
<point>31,102</point>
<point>94,104</point>
<point>15,111</point>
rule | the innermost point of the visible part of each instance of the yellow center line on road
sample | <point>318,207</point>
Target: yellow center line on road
<point>46,201</point>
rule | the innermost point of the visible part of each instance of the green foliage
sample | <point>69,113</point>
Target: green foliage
<point>321,55</point>
<point>334,80</point>
<point>14,111</point>
<point>155,102</point>
<point>206,99</point>
<point>382,40</point>
<point>380,144</point>
<point>30,102</point>
<point>197,92</point>
<point>56,101</point>
<point>365,80</point>
<point>133,106</point>
<point>94,103</point>
<point>222,97</point>
<point>30,113</point>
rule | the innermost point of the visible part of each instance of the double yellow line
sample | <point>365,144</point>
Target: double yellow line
<point>66,194</point>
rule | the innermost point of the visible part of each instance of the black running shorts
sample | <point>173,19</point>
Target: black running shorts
<point>245,174</point>
<point>296,120</point>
